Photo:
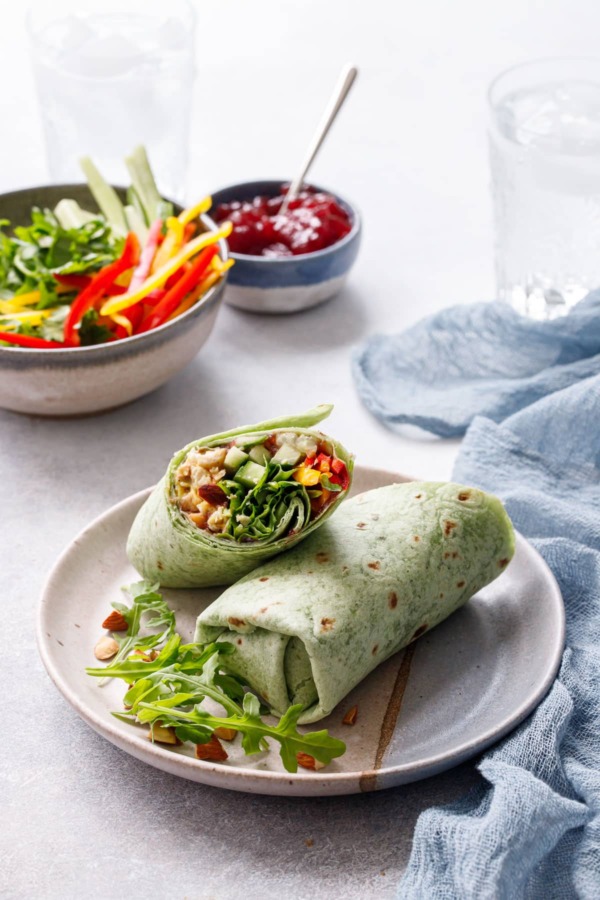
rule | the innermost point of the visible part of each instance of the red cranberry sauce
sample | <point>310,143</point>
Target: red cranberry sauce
<point>313,221</point>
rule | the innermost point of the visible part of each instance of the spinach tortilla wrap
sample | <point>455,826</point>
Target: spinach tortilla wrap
<point>230,501</point>
<point>392,563</point>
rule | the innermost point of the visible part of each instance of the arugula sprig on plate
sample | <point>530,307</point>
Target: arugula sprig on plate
<point>169,682</point>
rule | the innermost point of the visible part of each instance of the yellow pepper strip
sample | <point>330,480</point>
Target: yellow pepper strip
<point>30,317</point>
<point>219,266</point>
<point>188,215</point>
<point>124,278</point>
<point>307,477</point>
<point>171,245</point>
<point>118,304</point>
<point>124,321</point>
<point>19,301</point>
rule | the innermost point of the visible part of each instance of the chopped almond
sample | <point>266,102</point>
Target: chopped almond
<point>350,717</point>
<point>106,648</point>
<point>309,762</point>
<point>213,750</point>
<point>226,734</point>
<point>115,622</point>
<point>163,735</point>
<point>213,494</point>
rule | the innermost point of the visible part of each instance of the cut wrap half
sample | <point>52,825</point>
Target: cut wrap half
<point>229,501</point>
<point>389,566</point>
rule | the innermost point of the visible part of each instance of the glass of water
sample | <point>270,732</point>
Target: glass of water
<point>112,74</point>
<point>544,130</point>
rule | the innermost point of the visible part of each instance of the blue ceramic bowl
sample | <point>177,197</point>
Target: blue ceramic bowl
<point>265,284</point>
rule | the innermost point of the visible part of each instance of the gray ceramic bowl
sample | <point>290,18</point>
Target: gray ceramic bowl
<point>288,284</point>
<point>82,380</point>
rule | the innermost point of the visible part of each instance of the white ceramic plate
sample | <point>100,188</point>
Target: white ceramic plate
<point>454,692</point>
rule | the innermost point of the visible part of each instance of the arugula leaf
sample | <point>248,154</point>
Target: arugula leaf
<point>329,485</point>
<point>90,332</point>
<point>171,687</point>
<point>33,254</point>
<point>276,505</point>
<point>149,609</point>
<point>200,724</point>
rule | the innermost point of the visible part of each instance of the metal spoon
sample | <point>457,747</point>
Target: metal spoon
<point>346,81</point>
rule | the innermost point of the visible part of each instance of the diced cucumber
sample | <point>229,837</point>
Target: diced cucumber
<point>260,455</point>
<point>249,474</point>
<point>250,440</point>
<point>287,455</point>
<point>71,215</point>
<point>234,459</point>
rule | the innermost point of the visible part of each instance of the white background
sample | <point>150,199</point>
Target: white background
<point>410,150</point>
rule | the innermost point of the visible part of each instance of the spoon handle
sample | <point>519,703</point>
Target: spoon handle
<point>339,95</point>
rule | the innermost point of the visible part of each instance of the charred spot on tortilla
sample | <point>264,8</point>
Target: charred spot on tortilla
<point>240,641</point>
<point>159,565</point>
<point>418,496</point>
<point>449,526</point>
<point>361,524</point>
<point>393,600</point>
<point>441,596</point>
<point>374,565</point>
<point>416,538</point>
<point>420,630</point>
<point>503,563</point>
<point>327,624</point>
<point>464,495</point>
<point>322,557</point>
<point>235,622</point>
<point>375,649</point>
<point>460,584</point>
<point>264,578</point>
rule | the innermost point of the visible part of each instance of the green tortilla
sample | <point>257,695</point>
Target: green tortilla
<point>391,564</point>
<point>165,547</point>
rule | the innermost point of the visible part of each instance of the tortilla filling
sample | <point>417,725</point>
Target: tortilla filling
<point>258,487</point>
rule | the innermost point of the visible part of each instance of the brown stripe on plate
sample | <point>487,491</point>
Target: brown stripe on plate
<point>368,778</point>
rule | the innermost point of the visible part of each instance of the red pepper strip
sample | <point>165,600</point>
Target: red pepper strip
<point>77,282</point>
<point>174,278</point>
<point>175,295</point>
<point>26,340</point>
<point>100,283</point>
<point>189,231</point>
<point>135,314</point>
<point>154,297</point>
<point>340,475</point>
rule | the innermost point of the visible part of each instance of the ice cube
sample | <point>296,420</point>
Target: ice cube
<point>172,35</point>
<point>106,56</point>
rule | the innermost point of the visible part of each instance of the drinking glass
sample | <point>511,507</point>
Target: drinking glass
<point>544,134</point>
<point>112,74</point>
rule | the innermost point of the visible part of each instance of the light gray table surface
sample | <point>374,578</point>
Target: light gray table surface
<point>81,819</point>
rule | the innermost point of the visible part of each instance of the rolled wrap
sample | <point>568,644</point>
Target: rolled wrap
<point>389,566</point>
<point>165,546</point>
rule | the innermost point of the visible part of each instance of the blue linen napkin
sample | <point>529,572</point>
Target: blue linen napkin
<point>533,829</point>
<point>483,359</point>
